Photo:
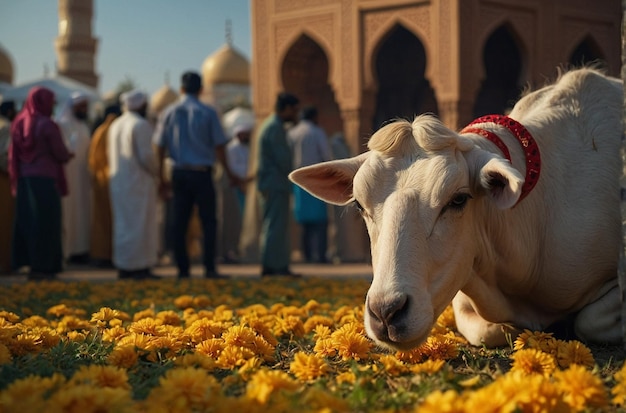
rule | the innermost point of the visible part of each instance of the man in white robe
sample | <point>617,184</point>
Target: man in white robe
<point>76,206</point>
<point>133,188</point>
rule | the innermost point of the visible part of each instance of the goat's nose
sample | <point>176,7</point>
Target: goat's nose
<point>383,310</point>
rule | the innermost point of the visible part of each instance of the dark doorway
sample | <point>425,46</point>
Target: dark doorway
<point>403,91</point>
<point>587,52</point>
<point>305,74</point>
<point>503,67</point>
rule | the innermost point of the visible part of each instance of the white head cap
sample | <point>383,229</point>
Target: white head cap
<point>133,99</point>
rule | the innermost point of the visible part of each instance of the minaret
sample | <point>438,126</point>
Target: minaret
<point>75,45</point>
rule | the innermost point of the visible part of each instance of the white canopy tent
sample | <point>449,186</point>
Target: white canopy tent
<point>62,87</point>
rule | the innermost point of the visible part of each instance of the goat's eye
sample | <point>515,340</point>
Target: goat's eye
<point>358,206</point>
<point>459,201</point>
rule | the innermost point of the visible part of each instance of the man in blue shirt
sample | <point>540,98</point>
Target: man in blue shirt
<point>274,166</point>
<point>190,133</point>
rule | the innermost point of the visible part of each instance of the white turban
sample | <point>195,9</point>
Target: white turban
<point>242,127</point>
<point>67,110</point>
<point>134,99</point>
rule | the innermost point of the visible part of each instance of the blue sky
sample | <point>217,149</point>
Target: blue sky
<point>138,39</point>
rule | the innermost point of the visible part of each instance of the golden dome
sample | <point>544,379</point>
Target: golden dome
<point>226,65</point>
<point>162,98</point>
<point>6,67</point>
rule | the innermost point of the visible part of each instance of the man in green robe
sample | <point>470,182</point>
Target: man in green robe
<point>274,166</point>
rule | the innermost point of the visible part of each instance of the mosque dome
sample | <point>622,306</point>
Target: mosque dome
<point>6,67</point>
<point>226,65</point>
<point>162,98</point>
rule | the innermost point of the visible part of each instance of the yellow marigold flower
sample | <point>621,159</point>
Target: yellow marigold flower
<point>86,398</point>
<point>35,321</point>
<point>232,357</point>
<point>111,335</point>
<point>428,366</point>
<point>106,314</point>
<point>321,332</point>
<point>446,319</point>
<point>317,320</point>
<point>440,402</point>
<point>123,357</point>
<point>204,329</point>
<point>211,347</point>
<point>581,388</point>
<point>264,349</point>
<point>9,316</point>
<point>619,391</point>
<point>325,347</point>
<point>139,341</point>
<point>392,365</point>
<point>76,336</point>
<point>574,352</point>
<point>322,401</point>
<point>25,344</point>
<point>140,315</point>
<point>5,355</point>
<point>249,367</point>
<point>240,336</point>
<point>201,301</point>
<point>184,301</point>
<point>185,389</point>
<point>101,376</point>
<point>414,355</point>
<point>63,310</point>
<point>290,325</point>
<point>223,313</point>
<point>308,367</point>
<point>532,361</point>
<point>72,322</point>
<point>350,344</point>
<point>262,328</point>
<point>149,326</point>
<point>196,360</point>
<point>534,339</point>
<point>311,306</point>
<point>346,377</point>
<point>266,382</point>
<point>169,318</point>
<point>29,394</point>
<point>440,347</point>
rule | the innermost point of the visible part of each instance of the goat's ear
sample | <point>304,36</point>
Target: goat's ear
<point>330,181</point>
<point>496,176</point>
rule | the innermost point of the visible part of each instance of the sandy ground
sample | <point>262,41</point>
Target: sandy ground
<point>90,273</point>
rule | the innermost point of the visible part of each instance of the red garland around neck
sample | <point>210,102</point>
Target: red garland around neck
<point>529,146</point>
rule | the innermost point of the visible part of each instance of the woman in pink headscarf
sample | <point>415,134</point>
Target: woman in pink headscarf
<point>36,157</point>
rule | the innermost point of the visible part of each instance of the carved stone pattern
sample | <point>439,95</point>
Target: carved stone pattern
<point>345,57</point>
<point>322,26</point>
<point>282,6</point>
<point>443,48</point>
<point>262,59</point>
<point>414,18</point>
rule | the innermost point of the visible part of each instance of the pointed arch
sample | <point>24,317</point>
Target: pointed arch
<point>305,72</point>
<point>503,68</point>
<point>399,69</point>
<point>586,51</point>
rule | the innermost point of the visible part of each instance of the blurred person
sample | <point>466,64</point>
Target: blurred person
<point>133,189</point>
<point>190,134</point>
<point>310,146</point>
<point>274,164</point>
<point>238,156</point>
<point>37,154</point>
<point>7,114</point>
<point>77,205</point>
<point>101,245</point>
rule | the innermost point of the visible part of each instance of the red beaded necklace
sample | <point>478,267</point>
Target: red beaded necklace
<point>529,145</point>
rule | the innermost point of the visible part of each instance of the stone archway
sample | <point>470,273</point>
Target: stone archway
<point>305,73</point>
<point>587,51</point>
<point>403,91</point>
<point>503,63</point>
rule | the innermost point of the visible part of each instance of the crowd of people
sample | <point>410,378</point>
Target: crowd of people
<point>73,196</point>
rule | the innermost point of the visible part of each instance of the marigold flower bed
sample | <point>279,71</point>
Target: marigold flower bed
<point>269,345</point>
